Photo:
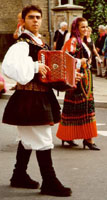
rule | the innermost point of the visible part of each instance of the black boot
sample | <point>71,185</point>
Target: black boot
<point>20,178</point>
<point>50,185</point>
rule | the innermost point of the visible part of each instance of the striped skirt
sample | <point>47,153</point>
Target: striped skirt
<point>78,116</point>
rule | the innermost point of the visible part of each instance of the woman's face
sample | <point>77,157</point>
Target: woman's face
<point>83,27</point>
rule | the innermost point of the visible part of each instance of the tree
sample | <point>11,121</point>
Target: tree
<point>95,12</point>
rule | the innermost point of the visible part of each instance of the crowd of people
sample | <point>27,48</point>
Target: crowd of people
<point>98,48</point>
<point>101,46</point>
<point>77,119</point>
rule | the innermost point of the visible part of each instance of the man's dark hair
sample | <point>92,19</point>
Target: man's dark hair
<point>27,9</point>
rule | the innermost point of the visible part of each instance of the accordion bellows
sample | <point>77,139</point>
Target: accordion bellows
<point>62,67</point>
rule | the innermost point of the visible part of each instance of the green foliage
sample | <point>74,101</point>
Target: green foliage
<point>95,12</point>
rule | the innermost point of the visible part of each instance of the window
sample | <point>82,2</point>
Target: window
<point>64,2</point>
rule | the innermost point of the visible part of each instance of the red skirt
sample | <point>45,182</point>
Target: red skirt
<point>78,116</point>
<point>85,131</point>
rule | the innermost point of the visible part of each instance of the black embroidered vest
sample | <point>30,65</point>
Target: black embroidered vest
<point>34,84</point>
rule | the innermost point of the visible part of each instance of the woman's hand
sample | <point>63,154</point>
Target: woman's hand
<point>89,61</point>
<point>78,76</point>
<point>84,61</point>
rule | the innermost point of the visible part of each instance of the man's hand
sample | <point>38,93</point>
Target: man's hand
<point>43,69</point>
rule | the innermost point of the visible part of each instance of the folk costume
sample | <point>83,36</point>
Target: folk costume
<point>33,108</point>
<point>33,103</point>
<point>78,115</point>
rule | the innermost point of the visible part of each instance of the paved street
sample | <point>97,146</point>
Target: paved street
<point>100,90</point>
<point>83,170</point>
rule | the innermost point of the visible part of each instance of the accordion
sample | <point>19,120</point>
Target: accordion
<point>61,75</point>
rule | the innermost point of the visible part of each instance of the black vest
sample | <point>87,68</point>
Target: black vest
<point>35,83</point>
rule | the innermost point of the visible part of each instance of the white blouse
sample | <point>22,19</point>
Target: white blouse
<point>17,63</point>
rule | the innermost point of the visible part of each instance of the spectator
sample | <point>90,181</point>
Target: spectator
<point>101,70</point>
<point>104,51</point>
<point>20,26</point>
<point>60,36</point>
<point>91,46</point>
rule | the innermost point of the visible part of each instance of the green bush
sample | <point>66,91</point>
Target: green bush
<point>95,12</point>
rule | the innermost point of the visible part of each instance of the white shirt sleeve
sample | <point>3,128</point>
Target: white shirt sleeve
<point>67,37</point>
<point>18,65</point>
<point>78,65</point>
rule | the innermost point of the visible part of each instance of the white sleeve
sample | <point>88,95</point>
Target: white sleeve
<point>18,65</point>
<point>67,37</point>
<point>78,65</point>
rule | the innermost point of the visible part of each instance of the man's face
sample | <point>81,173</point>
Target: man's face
<point>64,28</point>
<point>101,30</point>
<point>33,21</point>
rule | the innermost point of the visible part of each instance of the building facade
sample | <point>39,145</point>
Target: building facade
<point>8,19</point>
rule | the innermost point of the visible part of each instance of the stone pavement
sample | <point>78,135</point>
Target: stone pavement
<point>82,170</point>
<point>100,90</point>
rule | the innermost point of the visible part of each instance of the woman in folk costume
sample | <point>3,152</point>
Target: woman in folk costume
<point>78,115</point>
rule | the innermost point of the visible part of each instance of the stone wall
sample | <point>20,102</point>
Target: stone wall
<point>8,20</point>
<point>8,15</point>
<point>10,8</point>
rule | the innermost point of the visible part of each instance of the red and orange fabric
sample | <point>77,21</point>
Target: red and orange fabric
<point>78,114</point>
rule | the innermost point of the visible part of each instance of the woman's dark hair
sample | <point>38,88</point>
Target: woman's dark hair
<point>75,28</point>
<point>27,9</point>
